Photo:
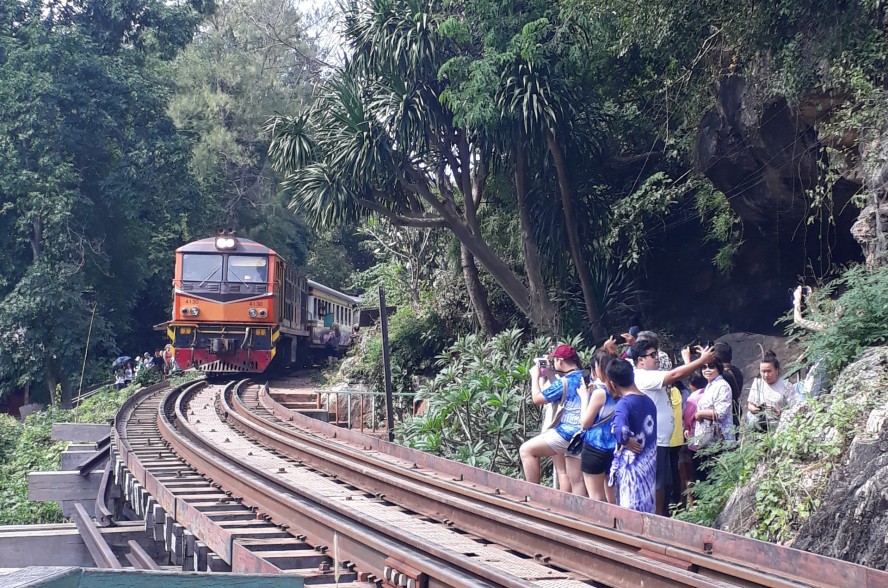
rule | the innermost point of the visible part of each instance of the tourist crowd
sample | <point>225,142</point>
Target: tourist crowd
<point>630,428</point>
<point>126,369</point>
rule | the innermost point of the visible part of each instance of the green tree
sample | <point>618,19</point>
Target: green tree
<point>90,173</point>
<point>379,141</point>
<point>251,60</point>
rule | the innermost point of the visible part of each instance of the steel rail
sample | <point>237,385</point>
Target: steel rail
<point>710,551</point>
<point>580,552</point>
<point>104,516</point>
<point>365,540</point>
<point>103,450</point>
<point>140,558</point>
<point>96,545</point>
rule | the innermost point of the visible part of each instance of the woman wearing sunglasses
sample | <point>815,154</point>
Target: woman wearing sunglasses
<point>713,416</point>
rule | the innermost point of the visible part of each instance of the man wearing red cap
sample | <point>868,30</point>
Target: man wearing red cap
<point>553,442</point>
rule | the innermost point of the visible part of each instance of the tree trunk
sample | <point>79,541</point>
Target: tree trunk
<point>55,380</point>
<point>542,311</point>
<point>573,238</point>
<point>67,392</point>
<point>477,293</point>
<point>479,249</point>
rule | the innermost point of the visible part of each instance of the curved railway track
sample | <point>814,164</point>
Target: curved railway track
<point>261,488</point>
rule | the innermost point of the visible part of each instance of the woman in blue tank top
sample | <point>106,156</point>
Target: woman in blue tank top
<point>597,411</point>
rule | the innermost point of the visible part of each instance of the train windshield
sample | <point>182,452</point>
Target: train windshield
<point>247,269</point>
<point>199,267</point>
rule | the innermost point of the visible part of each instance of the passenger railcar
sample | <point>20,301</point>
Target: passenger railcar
<point>238,306</point>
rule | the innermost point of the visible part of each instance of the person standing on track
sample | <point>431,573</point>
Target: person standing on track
<point>553,442</point>
<point>654,382</point>
<point>634,469</point>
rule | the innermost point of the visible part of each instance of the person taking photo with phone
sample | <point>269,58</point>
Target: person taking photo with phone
<point>654,383</point>
<point>554,440</point>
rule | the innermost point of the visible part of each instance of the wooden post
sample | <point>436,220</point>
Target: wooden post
<point>387,366</point>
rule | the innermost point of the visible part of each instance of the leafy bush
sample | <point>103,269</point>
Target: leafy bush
<point>415,338</point>
<point>855,320</point>
<point>28,447</point>
<point>478,406</point>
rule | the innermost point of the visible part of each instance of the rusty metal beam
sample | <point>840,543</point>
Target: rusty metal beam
<point>95,543</point>
<point>140,558</point>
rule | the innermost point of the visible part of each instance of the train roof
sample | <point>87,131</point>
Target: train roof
<point>208,245</point>
<point>328,290</point>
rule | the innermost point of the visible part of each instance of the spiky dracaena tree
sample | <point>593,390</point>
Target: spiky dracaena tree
<point>379,140</point>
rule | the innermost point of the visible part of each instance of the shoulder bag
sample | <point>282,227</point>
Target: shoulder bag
<point>558,408</point>
<point>577,440</point>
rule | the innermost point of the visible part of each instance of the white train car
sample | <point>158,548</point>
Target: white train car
<point>328,310</point>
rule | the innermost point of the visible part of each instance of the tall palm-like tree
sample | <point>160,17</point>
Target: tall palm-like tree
<point>541,100</point>
<point>379,140</point>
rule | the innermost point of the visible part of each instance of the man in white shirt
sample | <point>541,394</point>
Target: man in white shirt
<point>655,383</point>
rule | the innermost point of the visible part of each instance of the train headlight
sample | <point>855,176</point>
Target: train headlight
<point>253,313</point>
<point>225,243</point>
<point>195,311</point>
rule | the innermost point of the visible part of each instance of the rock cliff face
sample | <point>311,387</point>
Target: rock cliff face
<point>852,522</point>
<point>765,155</point>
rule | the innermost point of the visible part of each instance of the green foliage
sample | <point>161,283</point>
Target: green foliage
<point>28,447</point>
<point>728,471</point>
<point>252,59</point>
<point>146,377</point>
<point>478,408</point>
<point>853,310</point>
<point>92,180</point>
<point>724,227</point>
<point>34,451</point>
<point>415,339</point>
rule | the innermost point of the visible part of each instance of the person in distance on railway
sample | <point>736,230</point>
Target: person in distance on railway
<point>564,363</point>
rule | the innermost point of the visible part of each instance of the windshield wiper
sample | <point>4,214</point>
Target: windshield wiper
<point>213,273</point>
<point>231,271</point>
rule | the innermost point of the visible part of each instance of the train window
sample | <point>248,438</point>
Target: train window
<point>247,269</point>
<point>199,267</point>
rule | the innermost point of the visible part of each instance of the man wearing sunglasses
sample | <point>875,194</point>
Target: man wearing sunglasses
<point>655,383</point>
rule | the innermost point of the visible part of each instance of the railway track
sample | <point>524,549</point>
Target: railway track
<point>232,477</point>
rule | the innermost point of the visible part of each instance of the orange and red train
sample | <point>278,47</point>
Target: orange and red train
<point>238,306</point>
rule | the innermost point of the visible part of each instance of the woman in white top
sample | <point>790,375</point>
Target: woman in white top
<point>713,421</point>
<point>768,395</point>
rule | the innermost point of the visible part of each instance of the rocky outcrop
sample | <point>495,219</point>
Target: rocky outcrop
<point>761,154</point>
<point>852,522</point>
<point>871,231</point>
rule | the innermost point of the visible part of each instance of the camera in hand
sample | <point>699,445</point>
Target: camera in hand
<point>542,362</point>
<point>587,377</point>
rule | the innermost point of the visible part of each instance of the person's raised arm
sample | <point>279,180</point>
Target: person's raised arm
<point>797,312</point>
<point>707,355</point>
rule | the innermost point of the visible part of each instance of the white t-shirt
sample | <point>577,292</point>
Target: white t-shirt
<point>651,383</point>
<point>777,396</point>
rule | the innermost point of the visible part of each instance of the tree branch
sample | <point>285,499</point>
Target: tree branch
<point>423,220</point>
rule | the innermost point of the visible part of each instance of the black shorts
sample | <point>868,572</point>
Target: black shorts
<point>664,468</point>
<point>595,461</point>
